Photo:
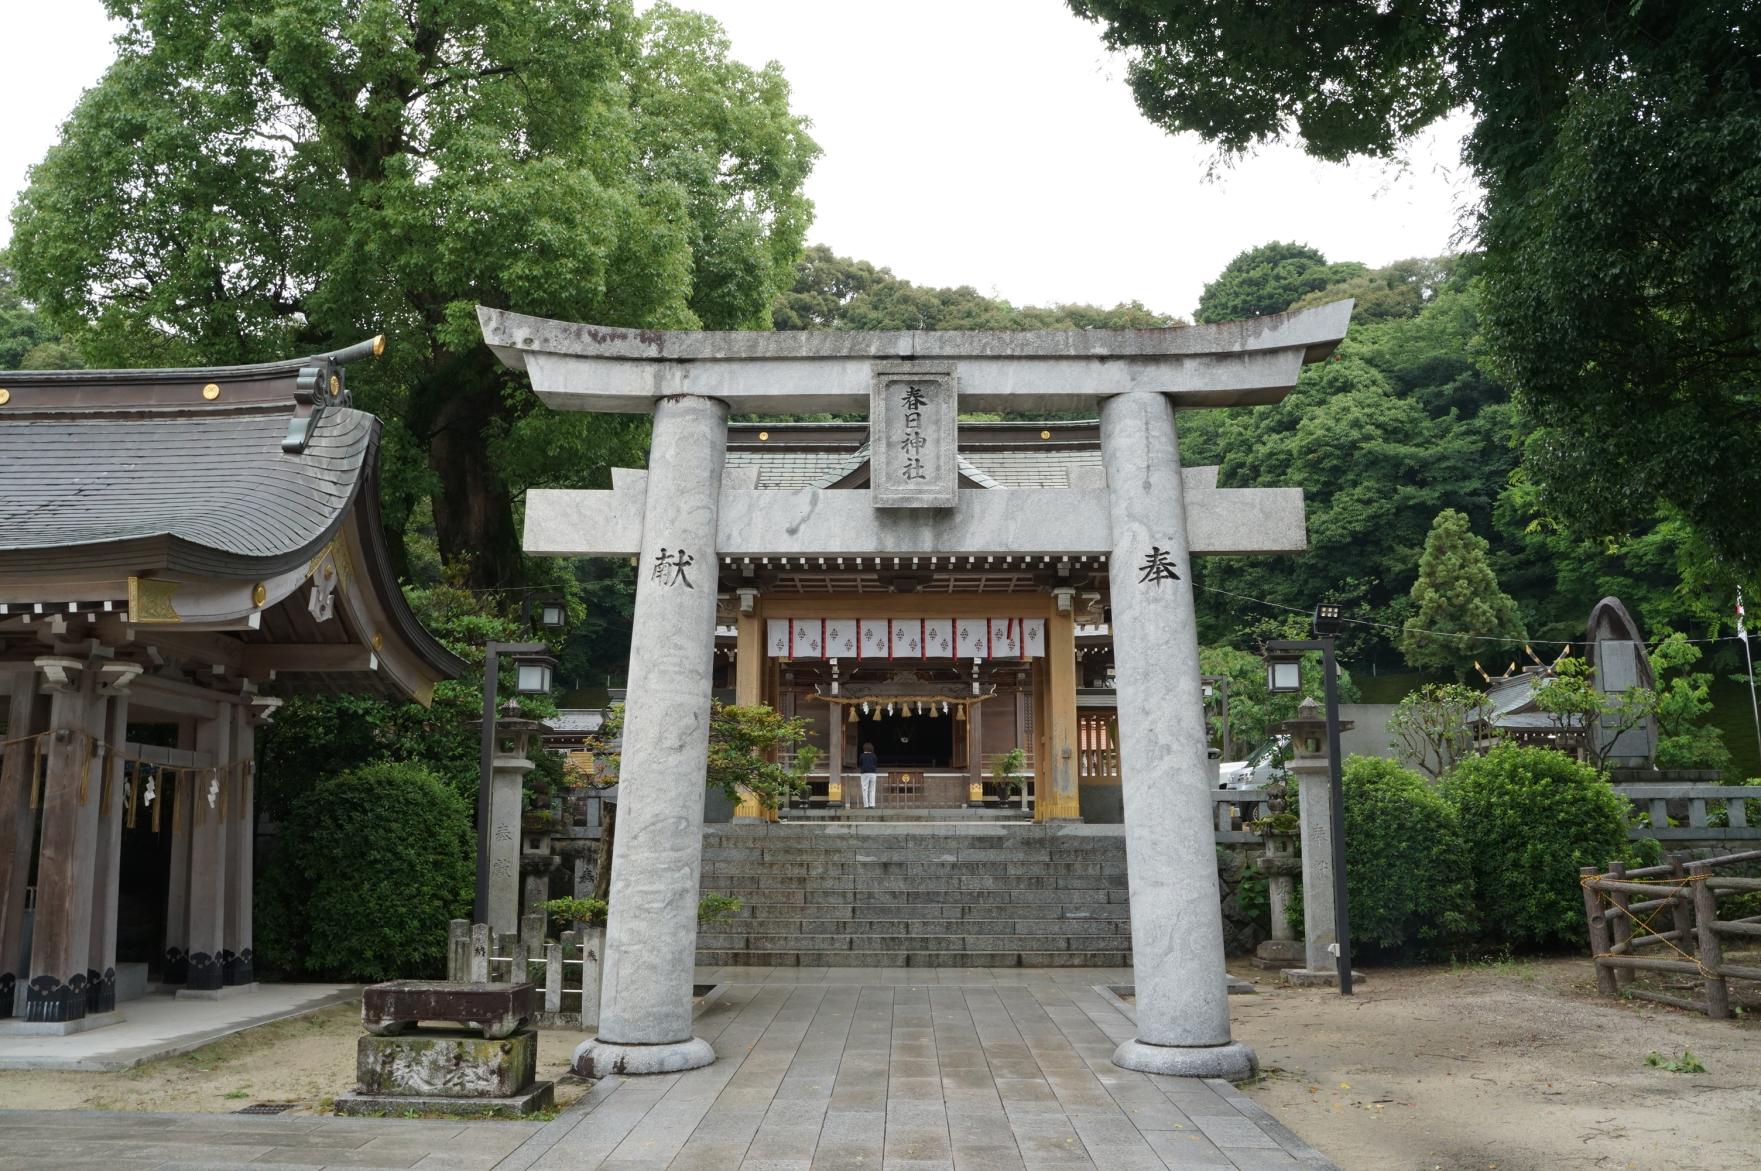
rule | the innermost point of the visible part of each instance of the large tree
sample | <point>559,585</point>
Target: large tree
<point>254,178</point>
<point>1617,145</point>
<point>1269,279</point>
<point>1459,613</point>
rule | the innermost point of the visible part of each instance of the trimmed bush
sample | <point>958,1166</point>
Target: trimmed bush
<point>1405,862</point>
<point>1531,817</point>
<point>368,868</point>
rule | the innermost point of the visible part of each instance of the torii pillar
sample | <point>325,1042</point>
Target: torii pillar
<point>1150,517</point>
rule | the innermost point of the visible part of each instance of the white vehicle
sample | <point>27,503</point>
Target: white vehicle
<point>1257,769</point>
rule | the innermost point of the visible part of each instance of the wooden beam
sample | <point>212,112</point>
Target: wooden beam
<point>263,662</point>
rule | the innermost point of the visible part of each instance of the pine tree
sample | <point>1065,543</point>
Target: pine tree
<point>1456,601</point>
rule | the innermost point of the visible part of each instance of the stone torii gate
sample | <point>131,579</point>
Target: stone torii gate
<point>682,516</point>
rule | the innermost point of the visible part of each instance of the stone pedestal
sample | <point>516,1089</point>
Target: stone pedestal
<point>1176,923</point>
<point>454,1073</point>
<point>651,929</point>
<point>1280,866</point>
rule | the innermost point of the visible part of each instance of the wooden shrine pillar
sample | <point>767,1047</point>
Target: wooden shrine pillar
<point>107,864</point>
<point>27,714</point>
<point>208,862</point>
<point>1057,799</point>
<point>176,795</point>
<point>975,743</point>
<point>61,930</point>
<point>237,965</point>
<point>749,661</point>
<point>834,752</point>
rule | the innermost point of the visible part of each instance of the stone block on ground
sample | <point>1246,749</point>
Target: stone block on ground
<point>1279,954</point>
<point>446,1065</point>
<point>495,1010</point>
<point>540,1096</point>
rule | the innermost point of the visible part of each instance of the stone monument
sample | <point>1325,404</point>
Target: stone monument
<point>487,1068</point>
<point>1309,764</point>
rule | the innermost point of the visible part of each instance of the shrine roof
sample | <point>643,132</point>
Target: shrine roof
<point>223,505</point>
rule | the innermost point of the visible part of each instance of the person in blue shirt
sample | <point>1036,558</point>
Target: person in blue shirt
<point>868,764</point>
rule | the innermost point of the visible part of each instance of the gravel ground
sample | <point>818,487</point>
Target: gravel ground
<point>1512,1066</point>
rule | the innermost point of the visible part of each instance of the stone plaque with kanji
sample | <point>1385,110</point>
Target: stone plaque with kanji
<point>914,459</point>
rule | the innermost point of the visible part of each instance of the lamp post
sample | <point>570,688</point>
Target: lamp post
<point>1218,686</point>
<point>1284,676</point>
<point>532,676</point>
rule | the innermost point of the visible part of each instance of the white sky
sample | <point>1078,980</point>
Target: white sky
<point>982,142</point>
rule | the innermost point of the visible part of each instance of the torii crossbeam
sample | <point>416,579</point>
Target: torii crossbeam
<point>1144,514</point>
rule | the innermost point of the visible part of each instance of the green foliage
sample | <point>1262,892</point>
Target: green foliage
<point>1530,818</point>
<point>565,913</point>
<point>27,340</point>
<point>1436,725</point>
<point>1682,705</point>
<point>250,181</point>
<point>1686,1063</point>
<point>1254,712</point>
<point>1269,279</point>
<point>744,744</point>
<point>314,737</point>
<point>714,908</point>
<point>835,292</point>
<point>1405,861</point>
<point>368,867</point>
<point>1615,145</point>
<point>1456,601</point>
<point>1006,772</point>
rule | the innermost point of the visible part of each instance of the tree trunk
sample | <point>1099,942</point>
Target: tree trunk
<point>473,517</point>
<point>608,827</point>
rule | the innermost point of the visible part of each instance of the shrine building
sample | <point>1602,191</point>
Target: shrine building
<point>946,664</point>
<point>179,551</point>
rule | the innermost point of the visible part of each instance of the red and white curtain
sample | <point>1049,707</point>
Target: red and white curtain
<point>905,638</point>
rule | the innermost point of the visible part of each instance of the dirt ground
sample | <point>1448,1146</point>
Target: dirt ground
<point>308,1060</point>
<point>1513,1066</point>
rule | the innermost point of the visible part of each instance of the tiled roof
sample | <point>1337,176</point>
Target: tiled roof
<point>205,491</point>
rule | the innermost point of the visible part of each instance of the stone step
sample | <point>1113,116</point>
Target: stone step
<point>955,928</point>
<point>737,883</point>
<point>947,912</point>
<point>893,816</point>
<point>764,870</point>
<point>916,959</point>
<point>872,854</point>
<point>762,896</point>
<point>740,941</point>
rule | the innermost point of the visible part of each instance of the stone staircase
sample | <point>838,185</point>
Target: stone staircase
<point>918,894</point>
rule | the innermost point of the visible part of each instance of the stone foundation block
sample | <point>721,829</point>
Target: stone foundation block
<point>1275,955</point>
<point>542,1096</point>
<point>445,1065</point>
<point>1317,977</point>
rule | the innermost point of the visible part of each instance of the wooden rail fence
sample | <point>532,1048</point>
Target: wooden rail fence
<point>1671,910</point>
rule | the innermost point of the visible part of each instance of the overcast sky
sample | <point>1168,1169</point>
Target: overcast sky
<point>982,142</point>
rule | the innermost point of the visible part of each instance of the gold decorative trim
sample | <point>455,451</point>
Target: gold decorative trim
<point>335,385</point>
<point>211,391</point>
<point>1045,434</point>
<point>5,396</point>
<point>378,641</point>
<point>259,594</point>
<point>378,345</point>
<point>150,600</point>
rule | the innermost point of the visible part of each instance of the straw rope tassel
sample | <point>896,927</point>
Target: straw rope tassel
<point>85,771</point>
<point>166,778</point>
<point>37,771</point>
<point>104,781</point>
<point>196,817</point>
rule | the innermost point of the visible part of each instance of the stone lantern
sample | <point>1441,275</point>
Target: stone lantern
<point>1280,865</point>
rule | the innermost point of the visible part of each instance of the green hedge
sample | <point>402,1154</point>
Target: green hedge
<point>367,869</point>
<point>1405,862</point>
<point>1530,818</point>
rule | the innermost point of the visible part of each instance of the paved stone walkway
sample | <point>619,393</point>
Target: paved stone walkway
<point>832,1069</point>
